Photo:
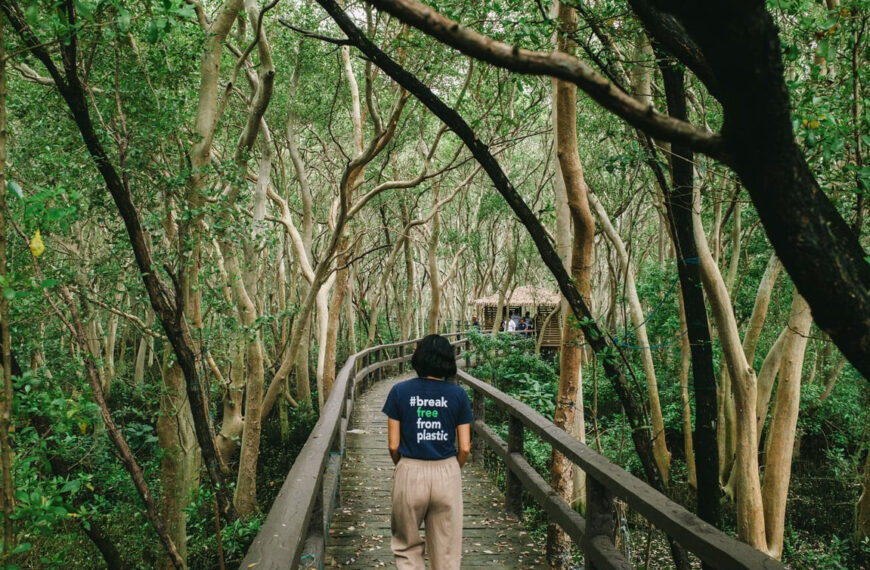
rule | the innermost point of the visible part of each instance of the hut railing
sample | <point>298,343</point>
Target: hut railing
<point>605,481</point>
<point>296,528</point>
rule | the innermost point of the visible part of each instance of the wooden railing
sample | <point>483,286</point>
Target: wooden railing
<point>297,526</point>
<point>604,481</point>
<point>295,530</point>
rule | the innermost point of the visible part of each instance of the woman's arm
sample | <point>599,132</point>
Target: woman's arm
<point>394,428</point>
<point>464,434</point>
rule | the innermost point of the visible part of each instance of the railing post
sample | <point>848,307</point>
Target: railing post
<point>478,408</point>
<point>599,516</point>
<point>513,500</point>
<point>314,544</point>
<point>379,357</point>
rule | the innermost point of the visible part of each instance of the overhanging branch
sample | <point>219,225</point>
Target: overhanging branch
<point>555,64</point>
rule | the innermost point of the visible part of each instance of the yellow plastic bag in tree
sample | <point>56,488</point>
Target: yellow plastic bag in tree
<point>37,247</point>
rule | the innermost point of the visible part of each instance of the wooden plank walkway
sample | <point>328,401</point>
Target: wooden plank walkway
<point>360,533</point>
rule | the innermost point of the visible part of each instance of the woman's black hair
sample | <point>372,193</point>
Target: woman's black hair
<point>434,357</point>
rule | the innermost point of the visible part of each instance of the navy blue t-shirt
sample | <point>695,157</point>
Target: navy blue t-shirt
<point>428,411</point>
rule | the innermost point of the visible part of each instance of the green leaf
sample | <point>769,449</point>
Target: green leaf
<point>123,19</point>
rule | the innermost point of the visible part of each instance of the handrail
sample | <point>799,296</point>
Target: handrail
<point>299,518</point>
<point>296,528</point>
<point>604,480</point>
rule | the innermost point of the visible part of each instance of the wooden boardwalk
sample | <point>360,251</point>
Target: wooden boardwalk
<point>359,536</point>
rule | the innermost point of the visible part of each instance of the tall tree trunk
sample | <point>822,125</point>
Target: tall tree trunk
<point>111,337</point>
<point>407,299</point>
<point>685,365</point>
<point>7,494</point>
<point>750,518</point>
<point>780,441</point>
<point>571,356</point>
<point>336,303</point>
<point>432,258</point>
<point>678,203</point>
<point>506,281</point>
<point>245,497</point>
<point>180,458</point>
<point>862,508</point>
<point>303,375</point>
<point>303,380</point>
<point>766,376</point>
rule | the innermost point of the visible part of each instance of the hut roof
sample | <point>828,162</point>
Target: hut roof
<point>525,295</point>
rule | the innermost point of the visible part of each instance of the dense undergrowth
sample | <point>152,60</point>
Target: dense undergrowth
<point>54,510</point>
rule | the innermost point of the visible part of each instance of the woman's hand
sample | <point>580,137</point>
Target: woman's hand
<point>463,433</point>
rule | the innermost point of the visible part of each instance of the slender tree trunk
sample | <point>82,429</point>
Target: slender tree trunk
<point>780,441</point>
<point>734,262</point>
<point>862,508</point>
<point>350,313</point>
<point>678,203</point>
<point>505,282</point>
<point>409,296</point>
<point>685,365</point>
<point>570,360</point>
<point>303,375</point>
<point>750,518</point>
<point>770,368</point>
<point>142,352</point>
<point>245,497</point>
<point>179,461</point>
<point>7,495</point>
<point>432,258</point>
<point>336,303</point>
<point>303,380</point>
<point>728,417</point>
<point>111,337</point>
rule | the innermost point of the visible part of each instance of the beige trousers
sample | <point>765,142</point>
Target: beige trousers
<point>430,492</point>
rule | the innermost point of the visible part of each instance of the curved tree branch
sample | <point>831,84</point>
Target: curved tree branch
<point>555,64</point>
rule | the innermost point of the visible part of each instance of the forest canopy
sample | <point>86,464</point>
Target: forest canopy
<point>207,206</point>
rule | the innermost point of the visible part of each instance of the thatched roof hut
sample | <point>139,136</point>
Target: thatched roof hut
<point>526,296</point>
<point>538,302</point>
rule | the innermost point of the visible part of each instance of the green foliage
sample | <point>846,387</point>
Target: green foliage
<point>508,362</point>
<point>235,537</point>
<point>835,553</point>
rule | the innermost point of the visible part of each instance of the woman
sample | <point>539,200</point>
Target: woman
<point>426,416</point>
